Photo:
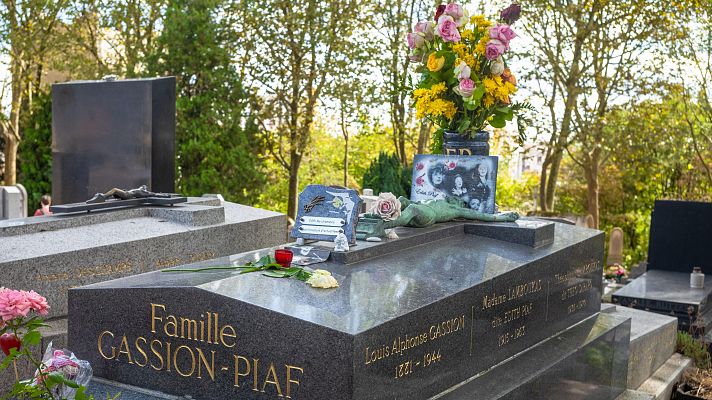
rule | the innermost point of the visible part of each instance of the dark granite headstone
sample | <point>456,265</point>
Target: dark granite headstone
<point>324,212</point>
<point>680,236</point>
<point>407,322</point>
<point>109,134</point>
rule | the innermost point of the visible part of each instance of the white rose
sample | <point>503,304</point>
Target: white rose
<point>497,67</point>
<point>322,279</point>
<point>387,206</point>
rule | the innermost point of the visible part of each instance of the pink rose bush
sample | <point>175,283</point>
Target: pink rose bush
<point>59,376</point>
<point>465,84</point>
<point>387,206</point>
<point>18,303</point>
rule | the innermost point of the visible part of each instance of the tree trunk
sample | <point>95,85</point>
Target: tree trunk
<point>592,192</point>
<point>423,137</point>
<point>294,162</point>
<point>11,145</point>
<point>346,160</point>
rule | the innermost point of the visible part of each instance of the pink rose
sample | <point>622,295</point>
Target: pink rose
<point>451,165</point>
<point>387,206</point>
<point>463,71</point>
<point>37,302</point>
<point>426,28</point>
<point>454,10</point>
<point>467,86</point>
<point>415,40</point>
<point>419,166</point>
<point>13,304</point>
<point>447,29</point>
<point>503,33</point>
<point>495,48</point>
<point>420,180</point>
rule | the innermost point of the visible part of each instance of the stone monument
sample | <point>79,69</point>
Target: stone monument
<point>680,238</point>
<point>118,132</point>
<point>615,247</point>
<point>441,312</point>
<point>55,253</point>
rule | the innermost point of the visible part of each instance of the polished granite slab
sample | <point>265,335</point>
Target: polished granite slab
<point>666,292</point>
<point>407,322</point>
<point>586,361</point>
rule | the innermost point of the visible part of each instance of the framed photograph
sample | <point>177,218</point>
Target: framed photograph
<point>473,179</point>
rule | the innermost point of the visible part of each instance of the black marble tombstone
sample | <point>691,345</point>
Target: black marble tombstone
<point>109,134</point>
<point>680,238</point>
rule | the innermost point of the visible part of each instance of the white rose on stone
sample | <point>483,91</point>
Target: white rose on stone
<point>322,279</point>
<point>387,206</point>
<point>497,67</point>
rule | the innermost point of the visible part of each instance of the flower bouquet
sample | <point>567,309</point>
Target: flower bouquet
<point>465,83</point>
<point>59,375</point>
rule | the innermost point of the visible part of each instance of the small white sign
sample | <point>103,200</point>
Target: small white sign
<point>323,221</point>
<point>320,230</point>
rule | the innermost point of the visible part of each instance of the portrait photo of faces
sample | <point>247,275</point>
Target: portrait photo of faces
<point>473,179</point>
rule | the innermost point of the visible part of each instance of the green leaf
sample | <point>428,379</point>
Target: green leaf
<point>464,125</point>
<point>250,269</point>
<point>275,274</point>
<point>31,338</point>
<point>478,92</point>
<point>498,121</point>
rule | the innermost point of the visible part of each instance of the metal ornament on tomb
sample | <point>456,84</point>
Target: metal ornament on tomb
<point>324,212</point>
<point>116,197</point>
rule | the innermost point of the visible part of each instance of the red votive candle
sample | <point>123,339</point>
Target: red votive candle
<point>283,257</point>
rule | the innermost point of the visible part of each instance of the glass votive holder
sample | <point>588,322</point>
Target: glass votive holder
<point>283,257</point>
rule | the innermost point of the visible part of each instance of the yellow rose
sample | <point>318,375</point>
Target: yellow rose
<point>435,63</point>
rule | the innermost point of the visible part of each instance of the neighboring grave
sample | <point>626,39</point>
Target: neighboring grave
<point>415,317</point>
<point>54,253</point>
<point>112,132</point>
<point>680,238</point>
<point>615,247</point>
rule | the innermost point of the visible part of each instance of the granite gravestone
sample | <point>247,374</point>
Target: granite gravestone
<point>615,247</point>
<point>680,238</point>
<point>324,212</point>
<point>54,253</point>
<point>414,317</point>
<point>112,134</point>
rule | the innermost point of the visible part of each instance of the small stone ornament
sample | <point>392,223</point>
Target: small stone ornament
<point>341,243</point>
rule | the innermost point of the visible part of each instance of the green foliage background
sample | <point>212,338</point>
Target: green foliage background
<point>35,152</point>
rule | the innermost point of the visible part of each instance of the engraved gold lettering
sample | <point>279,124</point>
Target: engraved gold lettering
<point>154,351</point>
<point>255,362</point>
<point>231,334</point>
<point>168,356</point>
<point>237,369</point>
<point>125,346</point>
<point>204,361</point>
<point>171,321</point>
<point>140,350</point>
<point>153,316</point>
<point>186,333</point>
<point>290,380</point>
<point>99,344</point>
<point>275,382</point>
<point>192,361</point>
